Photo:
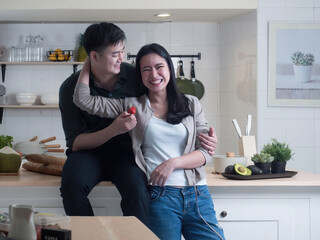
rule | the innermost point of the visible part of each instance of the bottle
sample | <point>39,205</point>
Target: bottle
<point>38,49</point>
<point>27,49</point>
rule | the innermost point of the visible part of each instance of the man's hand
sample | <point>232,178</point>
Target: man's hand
<point>123,123</point>
<point>209,142</point>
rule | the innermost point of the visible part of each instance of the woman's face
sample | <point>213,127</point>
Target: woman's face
<point>155,72</point>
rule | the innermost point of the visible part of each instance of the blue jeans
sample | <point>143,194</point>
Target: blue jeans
<point>174,211</point>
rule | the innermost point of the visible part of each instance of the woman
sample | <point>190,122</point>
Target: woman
<point>164,134</point>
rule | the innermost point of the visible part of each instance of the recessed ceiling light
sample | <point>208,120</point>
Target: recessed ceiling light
<point>163,15</point>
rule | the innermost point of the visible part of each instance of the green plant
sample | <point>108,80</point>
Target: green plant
<point>301,59</point>
<point>262,158</point>
<point>5,141</point>
<point>280,151</point>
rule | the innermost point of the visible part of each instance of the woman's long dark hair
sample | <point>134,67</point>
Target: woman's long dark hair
<point>178,103</point>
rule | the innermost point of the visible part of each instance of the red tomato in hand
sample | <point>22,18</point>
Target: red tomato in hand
<point>132,110</point>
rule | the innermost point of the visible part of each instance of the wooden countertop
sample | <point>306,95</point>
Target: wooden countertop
<point>27,178</point>
<point>116,228</point>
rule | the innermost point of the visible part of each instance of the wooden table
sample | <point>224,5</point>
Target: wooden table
<point>104,228</point>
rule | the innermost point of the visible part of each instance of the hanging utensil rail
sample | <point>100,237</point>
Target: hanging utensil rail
<point>173,56</point>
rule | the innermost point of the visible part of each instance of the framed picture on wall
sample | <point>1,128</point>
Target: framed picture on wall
<point>294,64</point>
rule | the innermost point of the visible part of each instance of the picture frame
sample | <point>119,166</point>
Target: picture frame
<point>294,64</point>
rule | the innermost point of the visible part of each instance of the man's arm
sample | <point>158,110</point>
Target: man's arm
<point>87,141</point>
<point>209,142</point>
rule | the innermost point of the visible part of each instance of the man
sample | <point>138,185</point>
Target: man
<point>100,149</point>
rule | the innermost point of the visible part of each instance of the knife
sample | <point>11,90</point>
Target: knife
<point>248,127</point>
<point>236,125</point>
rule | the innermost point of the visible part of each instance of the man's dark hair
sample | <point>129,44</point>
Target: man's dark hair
<point>99,36</point>
<point>178,103</point>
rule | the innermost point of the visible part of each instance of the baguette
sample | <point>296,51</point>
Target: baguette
<point>45,159</point>
<point>40,168</point>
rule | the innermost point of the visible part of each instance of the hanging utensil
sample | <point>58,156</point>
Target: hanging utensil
<point>185,86</point>
<point>197,85</point>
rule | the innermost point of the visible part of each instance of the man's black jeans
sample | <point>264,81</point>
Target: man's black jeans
<point>85,169</point>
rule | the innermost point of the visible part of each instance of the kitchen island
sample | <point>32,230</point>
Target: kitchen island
<point>279,208</point>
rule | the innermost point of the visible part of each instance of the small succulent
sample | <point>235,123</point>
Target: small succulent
<point>262,158</point>
<point>280,151</point>
<point>301,59</point>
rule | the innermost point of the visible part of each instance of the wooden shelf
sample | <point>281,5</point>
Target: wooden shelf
<point>4,65</point>
<point>42,63</point>
<point>29,106</point>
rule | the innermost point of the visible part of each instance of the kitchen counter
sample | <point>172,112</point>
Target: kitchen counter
<point>27,178</point>
<point>116,228</point>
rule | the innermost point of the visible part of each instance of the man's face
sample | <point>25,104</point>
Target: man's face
<point>111,58</point>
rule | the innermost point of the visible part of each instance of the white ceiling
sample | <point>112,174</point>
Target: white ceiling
<point>118,15</point>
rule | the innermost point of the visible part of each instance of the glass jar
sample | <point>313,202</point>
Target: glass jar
<point>12,54</point>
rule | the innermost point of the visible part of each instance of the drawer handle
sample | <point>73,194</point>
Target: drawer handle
<point>223,214</point>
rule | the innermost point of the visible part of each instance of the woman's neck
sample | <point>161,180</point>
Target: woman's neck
<point>159,103</point>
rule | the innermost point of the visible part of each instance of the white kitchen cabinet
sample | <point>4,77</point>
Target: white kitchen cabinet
<point>268,213</point>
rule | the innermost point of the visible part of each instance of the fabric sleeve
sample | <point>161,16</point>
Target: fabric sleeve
<point>96,105</point>
<point>201,127</point>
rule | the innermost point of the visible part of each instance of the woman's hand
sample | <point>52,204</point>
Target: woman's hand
<point>161,173</point>
<point>209,142</point>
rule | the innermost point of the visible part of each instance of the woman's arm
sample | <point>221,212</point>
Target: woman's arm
<point>95,105</point>
<point>188,161</point>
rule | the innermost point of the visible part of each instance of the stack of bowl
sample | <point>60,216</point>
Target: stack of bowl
<point>26,99</point>
<point>49,99</point>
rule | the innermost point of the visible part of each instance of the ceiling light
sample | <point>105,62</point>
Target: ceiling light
<point>163,15</point>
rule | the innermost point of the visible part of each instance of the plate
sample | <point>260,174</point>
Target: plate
<point>286,174</point>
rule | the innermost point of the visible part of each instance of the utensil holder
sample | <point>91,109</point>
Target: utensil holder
<point>247,147</point>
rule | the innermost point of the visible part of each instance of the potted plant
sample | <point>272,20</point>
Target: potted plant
<point>302,66</point>
<point>263,161</point>
<point>281,153</point>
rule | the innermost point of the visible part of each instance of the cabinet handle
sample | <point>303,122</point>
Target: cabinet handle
<point>223,214</point>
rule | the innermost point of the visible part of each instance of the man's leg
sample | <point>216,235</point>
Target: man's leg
<point>81,172</point>
<point>131,183</point>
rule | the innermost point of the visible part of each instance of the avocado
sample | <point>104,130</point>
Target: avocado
<point>9,162</point>
<point>229,169</point>
<point>255,170</point>
<point>242,170</point>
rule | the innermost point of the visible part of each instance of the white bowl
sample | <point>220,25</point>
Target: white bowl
<point>49,99</point>
<point>26,98</point>
<point>221,162</point>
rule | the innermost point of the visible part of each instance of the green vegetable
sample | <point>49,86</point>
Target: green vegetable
<point>5,141</point>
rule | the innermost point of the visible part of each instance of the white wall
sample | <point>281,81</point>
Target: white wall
<point>299,127</point>
<point>178,38</point>
<point>238,48</point>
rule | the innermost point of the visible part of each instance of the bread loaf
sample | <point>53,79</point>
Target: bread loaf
<point>45,159</point>
<point>40,168</point>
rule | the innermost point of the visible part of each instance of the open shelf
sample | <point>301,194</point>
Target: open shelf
<point>29,106</point>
